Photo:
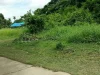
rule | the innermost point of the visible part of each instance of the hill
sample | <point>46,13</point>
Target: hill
<point>63,13</point>
<point>72,11</point>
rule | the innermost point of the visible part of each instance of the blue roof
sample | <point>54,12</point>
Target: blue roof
<point>17,24</point>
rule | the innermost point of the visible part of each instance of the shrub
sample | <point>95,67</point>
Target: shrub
<point>53,20</point>
<point>94,7</point>
<point>60,46</point>
<point>26,37</point>
<point>35,24</point>
<point>78,16</point>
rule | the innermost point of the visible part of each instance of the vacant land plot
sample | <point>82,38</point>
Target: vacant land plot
<point>74,58</point>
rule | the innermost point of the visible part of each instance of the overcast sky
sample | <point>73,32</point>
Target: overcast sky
<point>11,8</point>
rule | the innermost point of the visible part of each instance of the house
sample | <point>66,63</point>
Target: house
<point>17,24</point>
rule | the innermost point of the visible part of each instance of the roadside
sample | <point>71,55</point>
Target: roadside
<point>10,67</point>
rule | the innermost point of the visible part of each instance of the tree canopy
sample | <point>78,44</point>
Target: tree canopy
<point>4,22</point>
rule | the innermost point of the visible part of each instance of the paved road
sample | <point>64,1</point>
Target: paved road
<point>10,67</point>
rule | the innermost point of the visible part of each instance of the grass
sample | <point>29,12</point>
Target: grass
<point>9,33</point>
<point>77,59</point>
<point>74,58</point>
<point>86,33</point>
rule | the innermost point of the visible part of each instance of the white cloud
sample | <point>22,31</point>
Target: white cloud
<point>6,2</point>
<point>17,8</point>
<point>39,3</point>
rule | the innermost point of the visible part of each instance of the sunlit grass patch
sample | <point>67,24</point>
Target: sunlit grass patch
<point>8,33</point>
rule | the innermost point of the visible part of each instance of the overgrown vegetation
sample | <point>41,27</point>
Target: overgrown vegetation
<point>34,24</point>
<point>86,34</point>
<point>64,12</point>
<point>64,35</point>
<point>59,46</point>
<point>76,59</point>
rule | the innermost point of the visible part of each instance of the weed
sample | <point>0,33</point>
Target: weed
<point>59,46</point>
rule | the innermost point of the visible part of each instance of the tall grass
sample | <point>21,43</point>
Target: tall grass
<point>86,33</point>
<point>8,33</point>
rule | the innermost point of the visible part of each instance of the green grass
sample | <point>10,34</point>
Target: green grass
<point>77,59</point>
<point>86,33</point>
<point>9,33</point>
<point>74,58</point>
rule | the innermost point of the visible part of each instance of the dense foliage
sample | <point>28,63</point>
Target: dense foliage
<point>35,24</point>
<point>63,13</point>
<point>72,10</point>
<point>4,22</point>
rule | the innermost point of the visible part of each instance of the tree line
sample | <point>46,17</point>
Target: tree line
<point>4,22</point>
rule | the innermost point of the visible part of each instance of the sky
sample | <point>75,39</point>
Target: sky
<point>17,8</point>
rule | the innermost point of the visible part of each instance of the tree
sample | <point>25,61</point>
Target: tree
<point>1,16</point>
<point>38,11</point>
<point>14,18</point>
<point>4,22</point>
<point>35,24</point>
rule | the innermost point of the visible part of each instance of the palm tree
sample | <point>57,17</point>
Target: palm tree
<point>14,18</point>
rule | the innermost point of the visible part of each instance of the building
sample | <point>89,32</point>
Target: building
<point>17,24</point>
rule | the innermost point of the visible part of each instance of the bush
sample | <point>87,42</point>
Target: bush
<point>53,20</point>
<point>94,7</point>
<point>60,46</point>
<point>35,24</point>
<point>26,37</point>
<point>78,16</point>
